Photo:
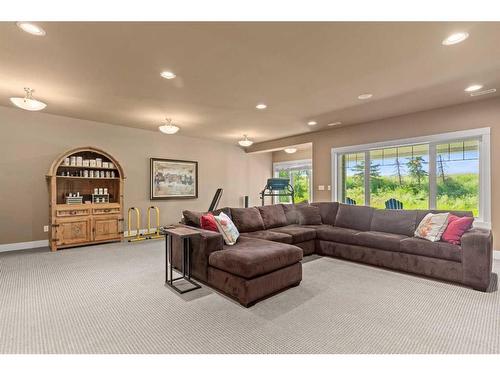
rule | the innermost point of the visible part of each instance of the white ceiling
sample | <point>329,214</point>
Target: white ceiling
<point>110,72</point>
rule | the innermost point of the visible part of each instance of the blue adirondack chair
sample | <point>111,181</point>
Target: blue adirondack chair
<point>393,204</point>
<point>350,201</point>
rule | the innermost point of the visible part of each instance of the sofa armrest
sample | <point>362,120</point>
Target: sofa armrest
<point>477,258</point>
<point>201,248</point>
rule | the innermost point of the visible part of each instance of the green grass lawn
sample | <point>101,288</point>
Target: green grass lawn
<point>457,192</point>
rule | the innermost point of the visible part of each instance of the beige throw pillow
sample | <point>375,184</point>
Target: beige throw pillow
<point>432,226</point>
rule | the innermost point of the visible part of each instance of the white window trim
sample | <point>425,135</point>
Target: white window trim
<point>292,163</point>
<point>483,134</point>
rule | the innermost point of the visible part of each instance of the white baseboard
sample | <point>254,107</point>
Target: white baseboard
<point>23,245</point>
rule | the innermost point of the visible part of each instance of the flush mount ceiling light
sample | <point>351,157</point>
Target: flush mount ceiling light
<point>168,75</point>
<point>290,150</point>
<point>334,123</point>
<point>245,142</point>
<point>31,28</point>
<point>484,92</point>
<point>28,103</point>
<point>473,88</point>
<point>169,127</point>
<point>455,38</point>
<point>261,106</point>
<point>312,123</point>
<point>365,96</point>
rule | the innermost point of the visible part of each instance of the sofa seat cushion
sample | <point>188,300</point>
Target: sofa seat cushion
<point>380,240</point>
<point>252,257</point>
<point>269,235</point>
<point>440,250</point>
<point>336,234</point>
<point>299,233</point>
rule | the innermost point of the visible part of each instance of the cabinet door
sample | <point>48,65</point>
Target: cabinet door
<point>73,231</point>
<point>106,228</point>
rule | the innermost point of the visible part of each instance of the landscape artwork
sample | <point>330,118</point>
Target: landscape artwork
<point>173,179</point>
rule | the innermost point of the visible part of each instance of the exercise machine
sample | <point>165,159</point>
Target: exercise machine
<point>277,187</point>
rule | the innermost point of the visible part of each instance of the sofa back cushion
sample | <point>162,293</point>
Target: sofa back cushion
<point>308,215</point>
<point>273,216</point>
<point>395,221</point>
<point>291,213</point>
<point>354,217</point>
<point>193,218</point>
<point>327,211</point>
<point>247,219</point>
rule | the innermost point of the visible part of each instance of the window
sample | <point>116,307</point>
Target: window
<point>457,176</point>
<point>300,174</point>
<point>447,172</point>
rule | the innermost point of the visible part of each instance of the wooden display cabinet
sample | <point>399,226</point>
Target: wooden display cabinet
<point>88,222</point>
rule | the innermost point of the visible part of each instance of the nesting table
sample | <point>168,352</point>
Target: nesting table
<point>184,235</point>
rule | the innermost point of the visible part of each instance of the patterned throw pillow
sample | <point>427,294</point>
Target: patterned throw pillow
<point>227,228</point>
<point>432,226</point>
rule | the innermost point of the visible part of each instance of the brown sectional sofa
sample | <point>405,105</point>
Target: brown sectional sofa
<point>273,239</point>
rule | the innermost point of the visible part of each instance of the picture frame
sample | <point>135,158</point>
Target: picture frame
<point>173,179</point>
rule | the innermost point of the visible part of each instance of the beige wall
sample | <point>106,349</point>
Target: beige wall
<point>299,155</point>
<point>484,113</point>
<point>31,141</point>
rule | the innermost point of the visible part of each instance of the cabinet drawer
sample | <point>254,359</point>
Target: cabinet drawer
<point>72,212</point>
<point>106,211</point>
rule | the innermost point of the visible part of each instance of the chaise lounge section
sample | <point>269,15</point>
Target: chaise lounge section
<point>273,239</point>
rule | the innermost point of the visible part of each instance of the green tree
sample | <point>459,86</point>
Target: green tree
<point>416,169</point>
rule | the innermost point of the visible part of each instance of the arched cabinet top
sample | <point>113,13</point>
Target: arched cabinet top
<point>81,151</point>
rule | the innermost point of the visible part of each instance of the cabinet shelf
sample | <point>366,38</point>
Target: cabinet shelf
<point>89,178</point>
<point>82,167</point>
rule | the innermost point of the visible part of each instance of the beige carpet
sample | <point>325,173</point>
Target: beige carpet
<point>111,299</point>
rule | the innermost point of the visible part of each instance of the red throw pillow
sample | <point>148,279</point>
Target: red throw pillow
<point>457,226</point>
<point>208,222</point>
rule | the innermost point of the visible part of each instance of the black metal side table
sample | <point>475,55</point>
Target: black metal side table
<point>185,235</point>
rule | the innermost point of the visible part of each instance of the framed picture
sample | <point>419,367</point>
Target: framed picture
<point>173,179</point>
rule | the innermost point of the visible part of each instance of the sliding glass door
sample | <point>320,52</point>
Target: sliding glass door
<point>300,174</point>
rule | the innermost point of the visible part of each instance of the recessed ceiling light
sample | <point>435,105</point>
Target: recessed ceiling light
<point>484,92</point>
<point>455,38</point>
<point>169,127</point>
<point>245,142</point>
<point>365,96</point>
<point>168,75</point>
<point>261,106</point>
<point>472,88</point>
<point>290,150</point>
<point>31,28</point>
<point>28,103</point>
<point>312,123</point>
<point>334,123</point>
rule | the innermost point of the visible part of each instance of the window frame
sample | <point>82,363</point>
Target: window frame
<point>291,164</point>
<point>480,134</point>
